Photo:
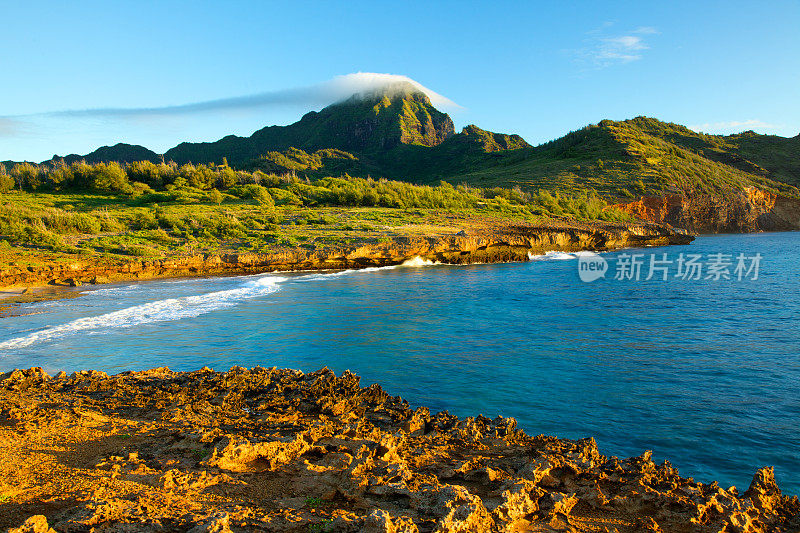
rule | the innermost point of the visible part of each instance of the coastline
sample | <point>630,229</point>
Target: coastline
<point>483,243</point>
<point>280,450</point>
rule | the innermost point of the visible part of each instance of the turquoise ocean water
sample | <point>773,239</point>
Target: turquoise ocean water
<point>706,373</point>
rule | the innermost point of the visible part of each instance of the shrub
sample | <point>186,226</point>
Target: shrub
<point>139,251</point>
<point>143,219</point>
<point>154,175</point>
<point>214,196</point>
<point>226,177</point>
<point>284,197</point>
<point>258,193</point>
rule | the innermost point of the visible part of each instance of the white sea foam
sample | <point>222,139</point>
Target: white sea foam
<point>551,256</point>
<point>110,291</point>
<point>554,255</point>
<point>178,308</point>
<point>338,273</point>
<point>418,261</point>
<point>414,262</point>
<point>158,311</point>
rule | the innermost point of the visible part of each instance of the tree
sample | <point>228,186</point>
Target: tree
<point>146,172</point>
<point>6,181</point>
<point>111,178</point>
<point>26,176</point>
<point>227,177</point>
<point>82,174</point>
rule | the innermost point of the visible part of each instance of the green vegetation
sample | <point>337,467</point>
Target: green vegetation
<point>147,209</point>
<point>325,525</point>
<point>613,160</point>
<point>314,503</point>
<point>296,160</point>
<point>201,454</point>
<point>397,134</point>
<point>311,184</point>
<point>318,504</point>
<point>364,124</point>
<point>644,156</point>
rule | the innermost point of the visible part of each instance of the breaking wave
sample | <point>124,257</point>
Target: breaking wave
<point>551,256</point>
<point>338,273</point>
<point>414,262</point>
<point>170,309</point>
<point>158,311</point>
<point>557,256</point>
<point>418,261</point>
<point>114,291</point>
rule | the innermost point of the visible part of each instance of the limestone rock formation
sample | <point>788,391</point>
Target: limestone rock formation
<point>484,244</point>
<point>750,210</point>
<point>279,450</point>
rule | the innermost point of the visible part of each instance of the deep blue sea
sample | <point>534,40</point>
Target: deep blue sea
<point>704,372</point>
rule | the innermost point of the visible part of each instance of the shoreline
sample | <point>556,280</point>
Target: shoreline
<point>280,450</point>
<point>509,242</point>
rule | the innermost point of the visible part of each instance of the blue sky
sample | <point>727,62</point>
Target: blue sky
<point>539,69</point>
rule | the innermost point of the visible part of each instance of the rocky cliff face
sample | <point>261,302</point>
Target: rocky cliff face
<point>749,210</point>
<point>509,242</point>
<point>280,450</point>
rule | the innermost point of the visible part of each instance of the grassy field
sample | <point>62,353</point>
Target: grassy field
<point>102,211</point>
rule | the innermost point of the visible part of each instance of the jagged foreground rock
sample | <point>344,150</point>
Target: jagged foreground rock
<point>279,450</point>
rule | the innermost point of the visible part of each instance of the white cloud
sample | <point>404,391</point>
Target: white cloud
<point>604,49</point>
<point>624,48</point>
<point>38,135</point>
<point>324,93</point>
<point>734,126</point>
<point>341,87</point>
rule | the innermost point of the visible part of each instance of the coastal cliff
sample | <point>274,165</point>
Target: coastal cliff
<point>280,450</point>
<point>746,211</point>
<point>500,242</point>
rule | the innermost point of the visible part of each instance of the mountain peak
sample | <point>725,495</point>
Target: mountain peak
<point>369,121</point>
<point>388,93</point>
<point>490,141</point>
<point>378,119</point>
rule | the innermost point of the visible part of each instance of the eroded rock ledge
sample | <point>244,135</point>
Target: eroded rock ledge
<point>484,244</point>
<point>279,450</point>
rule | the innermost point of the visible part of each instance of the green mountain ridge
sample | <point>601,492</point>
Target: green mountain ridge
<point>120,152</point>
<point>363,123</point>
<point>646,156</point>
<point>397,133</point>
